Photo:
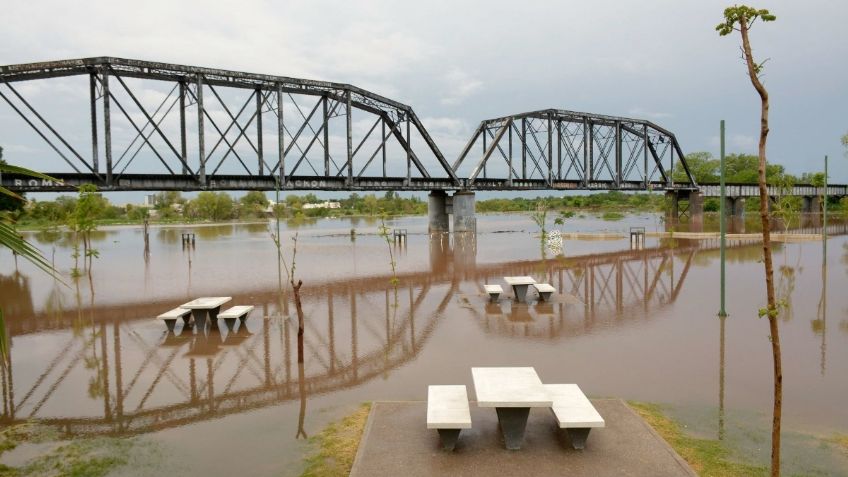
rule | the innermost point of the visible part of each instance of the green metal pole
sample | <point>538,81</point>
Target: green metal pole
<point>721,221</point>
<point>824,214</point>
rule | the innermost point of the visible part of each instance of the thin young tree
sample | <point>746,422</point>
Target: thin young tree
<point>741,18</point>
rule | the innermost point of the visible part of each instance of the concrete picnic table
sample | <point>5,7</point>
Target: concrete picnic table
<point>210,305</point>
<point>512,392</point>
<point>519,286</point>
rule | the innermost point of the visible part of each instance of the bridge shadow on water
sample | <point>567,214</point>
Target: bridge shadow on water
<point>92,369</point>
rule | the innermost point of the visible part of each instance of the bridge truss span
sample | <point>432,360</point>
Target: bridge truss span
<point>142,125</point>
<point>559,149</point>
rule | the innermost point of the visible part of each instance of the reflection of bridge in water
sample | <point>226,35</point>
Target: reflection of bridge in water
<point>139,379</point>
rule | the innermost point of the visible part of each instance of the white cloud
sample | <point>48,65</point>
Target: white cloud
<point>740,143</point>
<point>640,113</point>
<point>459,85</point>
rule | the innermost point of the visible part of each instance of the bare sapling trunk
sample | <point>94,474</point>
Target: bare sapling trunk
<point>771,310</point>
<point>299,308</point>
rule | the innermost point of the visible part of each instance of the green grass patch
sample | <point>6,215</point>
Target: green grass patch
<point>612,215</point>
<point>337,445</point>
<point>841,441</point>
<point>708,457</point>
<point>89,457</point>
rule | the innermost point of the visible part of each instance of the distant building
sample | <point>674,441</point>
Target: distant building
<point>323,205</point>
<point>149,200</point>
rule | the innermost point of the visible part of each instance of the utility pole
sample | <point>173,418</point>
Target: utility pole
<point>722,227</point>
<point>824,214</point>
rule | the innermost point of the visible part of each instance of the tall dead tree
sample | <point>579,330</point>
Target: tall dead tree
<point>740,18</point>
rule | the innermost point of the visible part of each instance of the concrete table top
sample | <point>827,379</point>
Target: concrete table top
<point>206,303</point>
<point>509,387</point>
<point>513,281</point>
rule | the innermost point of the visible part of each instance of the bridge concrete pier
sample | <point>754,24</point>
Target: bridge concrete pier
<point>810,204</point>
<point>736,207</point>
<point>461,206</point>
<point>672,202</point>
<point>694,210</point>
<point>464,218</point>
<point>437,212</point>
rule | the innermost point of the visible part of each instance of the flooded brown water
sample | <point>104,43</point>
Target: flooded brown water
<point>91,359</point>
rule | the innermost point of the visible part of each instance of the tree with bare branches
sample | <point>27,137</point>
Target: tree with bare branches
<point>741,18</point>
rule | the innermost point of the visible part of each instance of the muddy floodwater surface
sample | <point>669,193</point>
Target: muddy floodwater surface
<point>90,359</point>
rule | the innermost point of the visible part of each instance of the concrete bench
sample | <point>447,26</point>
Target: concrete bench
<point>448,412</point>
<point>573,412</point>
<point>170,317</point>
<point>545,290</point>
<point>494,291</point>
<point>230,315</point>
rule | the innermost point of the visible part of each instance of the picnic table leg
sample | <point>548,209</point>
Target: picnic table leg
<point>578,436</point>
<point>199,318</point>
<point>520,292</point>
<point>171,324</point>
<point>213,316</point>
<point>186,320</point>
<point>449,438</point>
<point>230,323</point>
<point>513,421</point>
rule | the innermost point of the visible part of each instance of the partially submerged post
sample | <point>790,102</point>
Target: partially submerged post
<point>399,236</point>
<point>637,238</point>
<point>146,237</point>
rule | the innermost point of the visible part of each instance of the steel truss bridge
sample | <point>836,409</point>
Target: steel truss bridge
<point>156,381</point>
<point>126,124</point>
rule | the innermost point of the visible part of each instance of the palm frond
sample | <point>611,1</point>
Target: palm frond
<point>10,169</point>
<point>11,239</point>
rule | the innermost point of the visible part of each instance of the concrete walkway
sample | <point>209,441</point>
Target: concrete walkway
<point>397,442</point>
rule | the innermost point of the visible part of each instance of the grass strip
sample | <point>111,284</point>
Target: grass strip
<point>707,457</point>
<point>337,445</point>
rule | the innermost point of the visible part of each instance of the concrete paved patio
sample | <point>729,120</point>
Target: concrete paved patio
<point>397,442</point>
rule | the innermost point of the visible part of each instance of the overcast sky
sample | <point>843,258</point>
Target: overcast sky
<point>459,62</point>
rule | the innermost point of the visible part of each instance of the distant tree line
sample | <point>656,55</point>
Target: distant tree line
<point>739,169</point>
<point>171,206</point>
<point>742,169</point>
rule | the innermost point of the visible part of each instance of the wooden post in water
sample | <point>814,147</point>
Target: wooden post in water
<point>146,237</point>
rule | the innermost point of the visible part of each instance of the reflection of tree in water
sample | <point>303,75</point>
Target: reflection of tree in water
<point>300,221</point>
<point>819,325</point>
<point>85,329</point>
<point>737,255</point>
<point>64,238</point>
<point>786,283</point>
<point>168,235</point>
<point>214,231</point>
<point>258,228</point>
<point>15,295</point>
<point>53,236</point>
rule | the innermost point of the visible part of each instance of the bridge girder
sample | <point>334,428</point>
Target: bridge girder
<point>302,143</point>
<point>233,128</point>
<point>584,149</point>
